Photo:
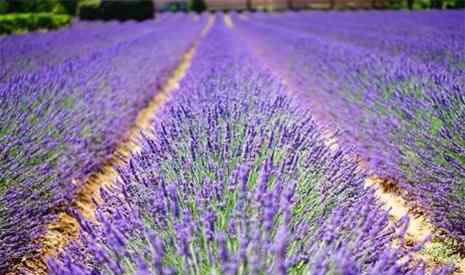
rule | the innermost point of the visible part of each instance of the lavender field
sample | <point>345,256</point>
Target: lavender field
<point>237,143</point>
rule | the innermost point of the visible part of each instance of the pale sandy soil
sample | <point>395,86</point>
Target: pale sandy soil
<point>228,21</point>
<point>66,228</point>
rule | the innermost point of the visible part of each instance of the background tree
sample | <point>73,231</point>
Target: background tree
<point>410,4</point>
<point>290,4</point>
<point>69,6</point>
<point>248,4</point>
<point>197,5</point>
<point>332,4</point>
<point>3,7</point>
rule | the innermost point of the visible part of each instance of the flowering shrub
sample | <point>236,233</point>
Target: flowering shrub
<point>61,121</point>
<point>394,90</point>
<point>236,179</point>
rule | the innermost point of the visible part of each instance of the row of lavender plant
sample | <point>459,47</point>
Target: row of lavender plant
<point>38,51</point>
<point>62,122</point>
<point>407,38</point>
<point>404,113</point>
<point>236,179</point>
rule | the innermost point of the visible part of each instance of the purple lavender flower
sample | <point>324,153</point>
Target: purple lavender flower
<point>260,209</point>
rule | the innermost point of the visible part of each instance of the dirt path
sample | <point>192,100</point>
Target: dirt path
<point>419,227</point>
<point>419,230</point>
<point>228,21</point>
<point>66,228</point>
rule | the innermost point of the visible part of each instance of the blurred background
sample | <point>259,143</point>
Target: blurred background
<point>18,16</point>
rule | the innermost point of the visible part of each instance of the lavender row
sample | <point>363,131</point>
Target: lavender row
<point>425,42</point>
<point>236,179</point>
<point>404,115</point>
<point>62,122</point>
<point>38,51</point>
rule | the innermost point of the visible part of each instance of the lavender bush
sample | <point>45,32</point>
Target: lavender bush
<point>394,90</point>
<point>61,121</point>
<point>38,51</point>
<point>236,179</point>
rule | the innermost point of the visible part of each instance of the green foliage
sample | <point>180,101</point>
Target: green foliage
<point>176,6</point>
<point>197,5</point>
<point>69,6</point>
<point>38,6</point>
<point>89,10</point>
<point>13,23</point>
<point>396,4</point>
<point>3,6</point>
<point>441,252</point>
<point>20,6</point>
<point>116,10</point>
<point>425,4</point>
<point>454,4</point>
<point>126,10</point>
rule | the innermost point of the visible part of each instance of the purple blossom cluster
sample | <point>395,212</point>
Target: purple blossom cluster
<point>34,51</point>
<point>392,83</point>
<point>236,179</point>
<point>67,98</point>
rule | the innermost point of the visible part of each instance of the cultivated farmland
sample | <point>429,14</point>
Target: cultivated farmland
<point>237,143</point>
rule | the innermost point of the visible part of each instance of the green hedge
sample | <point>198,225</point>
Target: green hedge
<point>40,6</point>
<point>197,5</point>
<point>3,7</point>
<point>425,4</point>
<point>117,10</point>
<point>21,22</point>
<point>89,10</point>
